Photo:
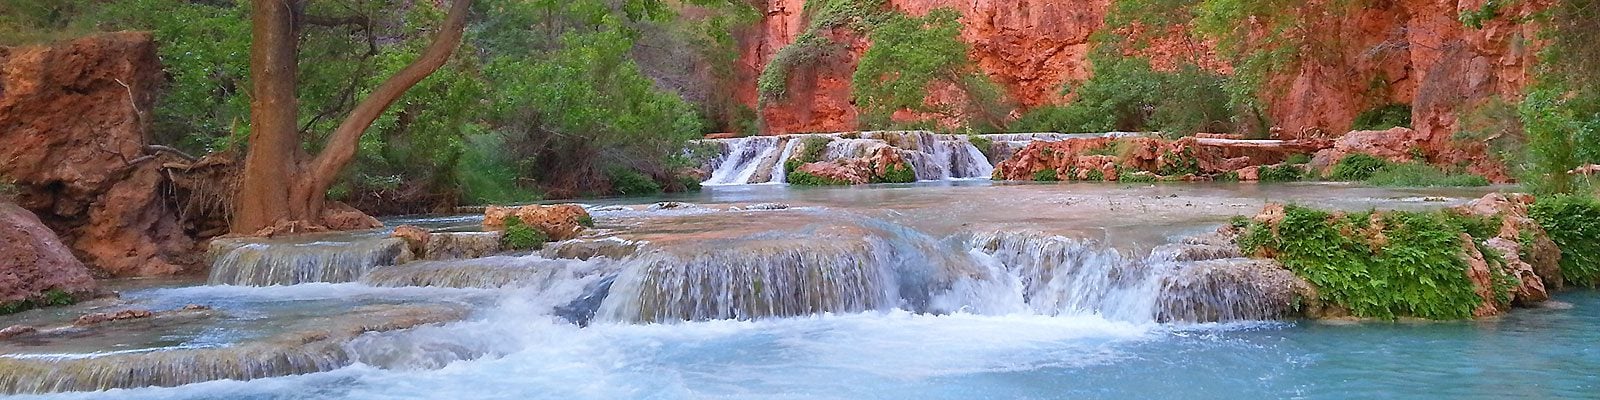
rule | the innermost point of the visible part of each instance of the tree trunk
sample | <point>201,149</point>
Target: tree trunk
<point>278,184</point>
<point>271,165</point>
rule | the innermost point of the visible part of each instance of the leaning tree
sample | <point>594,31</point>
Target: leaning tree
<point>281,183</point>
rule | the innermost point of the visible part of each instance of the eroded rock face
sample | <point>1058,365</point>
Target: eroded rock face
<point>33,261</point>
<point>558,222</point>
<point>72,136</point>
<point>1415,52</point>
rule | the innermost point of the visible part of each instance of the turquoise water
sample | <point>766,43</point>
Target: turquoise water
<point>516,347</point>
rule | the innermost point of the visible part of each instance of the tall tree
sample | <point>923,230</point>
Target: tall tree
<point>281,182</point>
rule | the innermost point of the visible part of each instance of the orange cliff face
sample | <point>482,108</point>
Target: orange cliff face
<point>1029,47</point>
<point>1414,52</point>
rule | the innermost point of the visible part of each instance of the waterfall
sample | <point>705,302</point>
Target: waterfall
<point>307,346</point>
<point>932,157</point>
<point>744,156</point>
<point>266,262</point>
<point>482,273</point>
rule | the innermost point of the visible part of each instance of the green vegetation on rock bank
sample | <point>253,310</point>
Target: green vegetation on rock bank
<point>1374,264</point>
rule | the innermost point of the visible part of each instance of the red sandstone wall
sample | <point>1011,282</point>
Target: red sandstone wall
<point>1418,49</point>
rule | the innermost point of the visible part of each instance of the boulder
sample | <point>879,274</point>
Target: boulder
<point>416,238</point>
<point>1542,255</point>
<point>33,261</point>
<point>457,245</point>
<point>339,216</point>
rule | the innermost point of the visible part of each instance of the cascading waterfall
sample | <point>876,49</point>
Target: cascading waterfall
<point>307,346</point>
<point>254,262</point>
<point>743,159</point>
<point>761,159</point>
<point>496,272</point>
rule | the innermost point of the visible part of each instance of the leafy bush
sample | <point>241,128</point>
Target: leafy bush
<point>1357,167</point>
<point>1422,175</point>
<point>1126,94</point>
<point>1281,173</point>
<point>907,56</point>
<point>1573,222</point>
<point>520,236</point>
<point>628,182</point>
<point>1046,175</point>
<point>1383,117</point>
<point>1095,175</point>
<point>897,173</point>
<point>1129,176</point>
<point>802,178</point>
<point>586,221</point>
<point>1298,159</point>
<point>1415,269</point>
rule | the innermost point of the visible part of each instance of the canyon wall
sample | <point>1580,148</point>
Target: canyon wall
<point>1416,52</point>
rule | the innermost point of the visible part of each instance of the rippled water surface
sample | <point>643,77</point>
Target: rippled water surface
<point>519,348</point>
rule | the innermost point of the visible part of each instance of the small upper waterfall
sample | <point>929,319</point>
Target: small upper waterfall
<point>762,159</point>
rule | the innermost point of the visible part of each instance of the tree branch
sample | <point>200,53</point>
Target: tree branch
<point>344,141</point>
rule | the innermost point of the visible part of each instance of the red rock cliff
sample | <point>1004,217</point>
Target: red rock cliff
<point>1405,51</point>
<point>73,119</point>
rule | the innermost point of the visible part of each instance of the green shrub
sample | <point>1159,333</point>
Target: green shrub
<point>1046,175</point>
<point>689,183</point>
<point>1573,222</point>
<point>586,221</point>
<point>520,236</point>
<point>801,178</point>
<point>1299,159</point>
<point>1094,175</point>
<point>1417,269</point>
<point>628,182</point>
<point>897,173</point>
<point>1383,117</point>
<point>1230,176</point>
<point>1281,173</point>
<point>1422,175</point>
<point>1177,164</point>
<point>1130,176</point>
<point>1357,167</point>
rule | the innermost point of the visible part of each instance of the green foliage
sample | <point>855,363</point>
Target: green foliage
<point>802,178</point>
<point>1561,112</point>
<point>586,221</point>
<point>1046,175</point>
<point>1379,172</point>
<point>1095,175</point>
<point>1475,18</point>
<point>1230,176</point>
<point>896,173</point>
<point>1573,222</point>
<point>1130,176</point>
<point>521,236</point>
<point>1298,159</point>
<point>1113,148</point>
<point>1281,173</point>
<point>1413,174</point>
<point>1126,94</point>
<point>628,182</point>
<point>910,54</point>
<point>50,298</point>
<point>1417,269</point>
<point>1383,117</point>
<point>1357,167</point>
<point>1179,164</point>
<point>487,173</point>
